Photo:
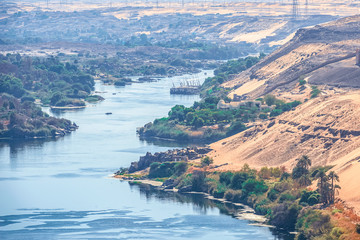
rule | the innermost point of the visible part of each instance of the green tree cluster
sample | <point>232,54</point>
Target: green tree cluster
<point>26,120</point>
<point>228,70</point>
<point>43,78</point>
<point>167,169</point>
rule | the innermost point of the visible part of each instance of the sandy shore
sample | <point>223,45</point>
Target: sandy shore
<point>145,181</point>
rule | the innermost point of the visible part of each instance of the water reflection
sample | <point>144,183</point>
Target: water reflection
<point>60,112</point>
<point>19,147</point>
<point>168,143</point>
<point>200,203</point>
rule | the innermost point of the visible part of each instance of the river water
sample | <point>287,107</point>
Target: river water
<point>61,189</point>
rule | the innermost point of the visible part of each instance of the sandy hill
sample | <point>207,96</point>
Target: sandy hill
<point>326,128</point>
<point>324,53</point>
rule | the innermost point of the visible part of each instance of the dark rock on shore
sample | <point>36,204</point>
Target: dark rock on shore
<point>168,156</point>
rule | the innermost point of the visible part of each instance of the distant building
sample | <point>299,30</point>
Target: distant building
<point>238,98</point>
<point>235,105</point>
<point>177,158</point>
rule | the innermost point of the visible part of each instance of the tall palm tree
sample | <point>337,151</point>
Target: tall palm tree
<point>323,186</point>
<point>302,167</point>
<point>304,162</point>
<point>334,178</point>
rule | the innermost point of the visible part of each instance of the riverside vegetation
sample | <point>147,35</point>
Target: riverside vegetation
<point>53,82</point>
<point>23,119</point>
<point>204,122</point>
<point>285,198</point>
<point>24,79</point>
<point>142,58</point>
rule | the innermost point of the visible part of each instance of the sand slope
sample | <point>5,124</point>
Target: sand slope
<point>312,51</point>
<point>327,129</point>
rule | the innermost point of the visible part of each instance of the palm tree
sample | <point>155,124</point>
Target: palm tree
<point>323,186</point>
<point>334,178</point>
<point>302,167</point>
<point>304,162</point>
<point>304,180</point>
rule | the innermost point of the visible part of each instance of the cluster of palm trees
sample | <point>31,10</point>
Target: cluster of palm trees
<point>327,186</point>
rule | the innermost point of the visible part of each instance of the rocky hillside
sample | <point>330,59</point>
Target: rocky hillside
<point>325,54</point>
<point>168,26</point>
<point>326,128</point>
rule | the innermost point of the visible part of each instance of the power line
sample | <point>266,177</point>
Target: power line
<point>295,10</point>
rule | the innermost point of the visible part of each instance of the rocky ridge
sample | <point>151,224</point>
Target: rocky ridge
<point>312,50</point>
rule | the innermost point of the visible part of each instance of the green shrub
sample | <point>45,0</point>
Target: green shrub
<point>180,168</point>
<point>263,116</point>
<point>11,85</point>
<point>235,127</point>
<point>302,82</point>
<point>226,177</point>
<point>263,207</point>
<point>270,100</point>
<point>313,223</point>
<point>229,195</point>
<point>287,197</point>
<point>238,179</point>
<point>273,194</point>
<point>284,215</point>
<point>206,161</point>
<point>309,197</point>
<point>94,98</point>
<point>253,186</point>
<point>198,181</point>
<point>160,170</point>
<point>219,191</point>
<point>314,91</point>
<point>167,169</point>
<point>275,112</point>
<point>233,195</point>
<point>184,180</point>
<point>276,172</point>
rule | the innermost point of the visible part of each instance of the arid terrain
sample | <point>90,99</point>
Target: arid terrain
<point>325,54</point>
<point>253,26</point>
<point>325,128</point>
<point>275,91</point>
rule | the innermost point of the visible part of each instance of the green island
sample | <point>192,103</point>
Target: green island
<point>24,119</point>
<point>26,82</point>
<point>289,200</point>
<point>48,79</point>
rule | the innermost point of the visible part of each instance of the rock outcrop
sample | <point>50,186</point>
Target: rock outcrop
<point>168,156</point>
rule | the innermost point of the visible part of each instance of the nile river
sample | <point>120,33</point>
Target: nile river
<point>61,189</point>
